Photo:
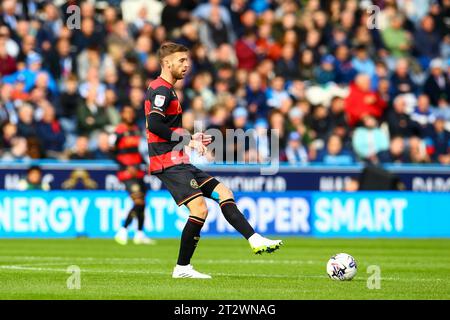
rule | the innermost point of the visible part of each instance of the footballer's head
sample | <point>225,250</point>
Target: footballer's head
<point>128,115</point>
<point>174,58</point>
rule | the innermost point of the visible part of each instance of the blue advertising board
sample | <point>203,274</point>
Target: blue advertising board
<point>319,214</point>
<point>248,178</point>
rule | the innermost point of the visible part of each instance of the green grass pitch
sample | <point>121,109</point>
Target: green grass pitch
<point>37,269</point>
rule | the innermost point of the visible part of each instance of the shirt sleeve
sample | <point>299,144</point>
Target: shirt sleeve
<point>157,125</point>
<point>159,100</point>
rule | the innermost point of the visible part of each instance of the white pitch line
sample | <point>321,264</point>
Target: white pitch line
<point>151,260</point>
<point>29,268</point>
<point>167,273</point>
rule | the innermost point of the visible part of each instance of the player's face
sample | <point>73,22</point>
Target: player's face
<point>34,176</point>
<point>179,64</point>
<point>128,115</point>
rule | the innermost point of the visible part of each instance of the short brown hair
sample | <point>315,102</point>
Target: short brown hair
<point>168,48</point>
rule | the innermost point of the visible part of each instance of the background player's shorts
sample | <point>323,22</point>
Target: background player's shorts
<point>185,182</point>
<point>135,187</point>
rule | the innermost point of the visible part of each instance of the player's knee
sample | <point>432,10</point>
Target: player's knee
<point>198,208</point>
<point>224,192</point>
<point>139,200</point>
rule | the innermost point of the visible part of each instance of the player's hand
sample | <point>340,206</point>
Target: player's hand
<point>206,139</point>
<point>198,146</point>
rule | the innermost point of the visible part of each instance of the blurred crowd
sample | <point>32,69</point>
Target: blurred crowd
<point>341,81</point>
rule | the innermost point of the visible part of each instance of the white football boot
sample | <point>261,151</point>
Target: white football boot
<point>141,238</point>
<point>260,244</point>
<point>121,236</point>
<point>188,272</point>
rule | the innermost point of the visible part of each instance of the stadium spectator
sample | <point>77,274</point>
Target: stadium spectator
<point>26,126</point>
<point>61,62</point>
<point>9,131</point>
<point>438,143</point>
<point>12,47</point>
<point>270,48</point>
<point>277,122</point>
<point>200,60</point>
<point>363,101</point>
<point>18,150</point>
<point>246,53</point>
<point>213,32</point>
<point>345,72</point>
<point>262,141</point>
<point>337,113</point>
<point>7,63</point>
<point>381,72</point>
<point>91,58</point>
<point>369,140</point>
<point>8,111</point>
<point>203,11</point>
<point>326,72</point>
<point>401,82</point>
<point>296,153</point>
<point>200,87</point>
<point>81,149</point>
<point>397,39</point>
<point>426,41</point>
<point>307,65</point>
<point>437,85</point>
<point>362,62</point>
<point>417,151</point>
<point>423,116</point>
<point>334,153</point>
<point>396,153</point>
<point>49,132</point>
<point>321,122</point>
<point>276,93</point>
<point>255,96</point>
<point>102,150</point>
<point>69,100</point>
<point>87,35</point>
<point>174,15</point>
<point>90,115</point>
<point>287,65</point>
<point>400,123</point>
<point>51,26</point>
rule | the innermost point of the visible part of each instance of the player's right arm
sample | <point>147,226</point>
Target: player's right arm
<point>159,101</point>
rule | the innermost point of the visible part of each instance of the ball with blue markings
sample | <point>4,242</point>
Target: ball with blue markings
<point>342,266</point>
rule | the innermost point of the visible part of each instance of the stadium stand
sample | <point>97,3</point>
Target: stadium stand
<point>338,90</point>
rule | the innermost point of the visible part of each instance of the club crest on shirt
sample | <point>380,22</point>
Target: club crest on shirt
<point>159,100</point>
<point>194,184</point>
<point>135,188</point>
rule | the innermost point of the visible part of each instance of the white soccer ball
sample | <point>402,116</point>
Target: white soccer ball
<point>341,266</point>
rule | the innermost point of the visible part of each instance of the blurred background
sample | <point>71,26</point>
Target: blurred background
<point>339,90</point>
<point>347,84</point>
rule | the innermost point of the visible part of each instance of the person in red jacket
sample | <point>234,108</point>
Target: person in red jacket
<point>126,141</point>
<point>363,101</point>
<point>7,63</point>
<point>246,51</point>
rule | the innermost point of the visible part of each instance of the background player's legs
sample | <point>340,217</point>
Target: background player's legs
<point>139,207</point>
<point>137,211</point>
